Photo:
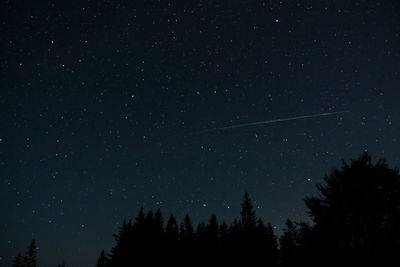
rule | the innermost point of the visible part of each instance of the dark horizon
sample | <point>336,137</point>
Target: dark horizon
<point>355,221</point>
<point>110,106</point>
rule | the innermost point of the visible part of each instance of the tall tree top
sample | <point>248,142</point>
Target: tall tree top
<point>140,217</point>
<point>172,229</point>
<point>18,260</point>
<point>158,219</point>
<point>248,214</point>
<point>31,255</point>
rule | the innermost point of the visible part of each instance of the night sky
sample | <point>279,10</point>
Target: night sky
<point>109,106</point>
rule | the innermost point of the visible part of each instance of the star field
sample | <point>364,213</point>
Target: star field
<point>105,107</point>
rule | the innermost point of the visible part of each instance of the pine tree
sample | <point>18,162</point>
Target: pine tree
<point>212,238</point>
<point>149,223</point>
<point>102,260</point>
<point>186,237</point>
<point>158,223</point>
<point>187,232</point>
<point>272,246</point>
<point>171,239</point>
<point>289,244</point>
<point>224,240</point>
<point>223,232</point>
<point>211,232</point>
<point>200,232</point>
<point>172,231</point>
<point>248,239</point>
<point>30,259</point>
<point>248,218</point>
<point>266,246</point>
<point>120,252</point>
<point>158,238</point>
<point>18,261</point>
<point>140,220</point>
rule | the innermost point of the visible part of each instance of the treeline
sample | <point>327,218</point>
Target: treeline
<point>145,242</point>
<point>30,257</point>
<point>356,221</point>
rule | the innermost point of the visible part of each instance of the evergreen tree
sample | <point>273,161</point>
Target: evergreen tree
<point>121,251</point>
<point>211,233</point>
<point>248,214</point>
<point>157,244</point>
<point>186,237</point>
<point>224,241</point>
<point>260,242</point>
<point>248,239</point>
<point>212,239</point>
<point>149,223</point>
<point>171,239</point>
<point>102,260</point>
<point>223,233</point>
<point>234,244</point>
<point>18,261</point>
<point>172,231</point>
<point>140,220</point>
<point>289,245</point>
<point>30,259</point>
<point>272,246</point>
<point>158,223</point>
<point>266,245</point>
<point>200,246</point>
<point>213,226</point>
<point>200,232</point>
<point>187,232</point>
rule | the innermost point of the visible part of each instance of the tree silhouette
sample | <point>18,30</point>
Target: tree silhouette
<point>158,223</point>
<point>186,238</point>
<point>102,260</point>
<point>149,233</point>
<point>243,236</point>
<point>357,214</point>
<point>232,250</point>
<point>208,241</point>
<point>223,234</point>
<point>248,214</point>
<point>172,231</point>
<point>266,244</point>
<point>30,259</point>
<point>188,233</point>
<point>211,234</point>
<point>356,222</point>
<point>120,253</point>
<point>157,244</point>
<point>18,260</point>
<point>139,221</point>
<point>171,239</point>
<point>272,246</point>
<point>289,244</point>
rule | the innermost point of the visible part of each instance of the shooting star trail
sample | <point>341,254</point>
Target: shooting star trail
<point>278,120</point>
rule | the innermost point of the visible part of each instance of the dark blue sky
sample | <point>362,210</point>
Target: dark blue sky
<point>103,107</point>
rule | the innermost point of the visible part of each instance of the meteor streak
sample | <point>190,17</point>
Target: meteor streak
<point>278,120</point>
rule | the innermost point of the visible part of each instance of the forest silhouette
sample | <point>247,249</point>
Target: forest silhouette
<point>356,222</point>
